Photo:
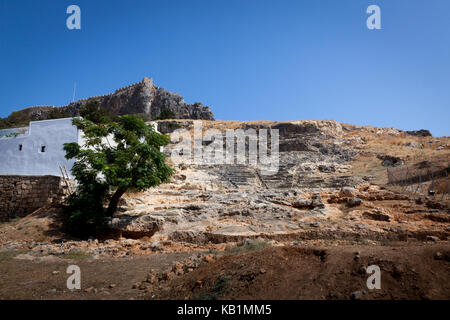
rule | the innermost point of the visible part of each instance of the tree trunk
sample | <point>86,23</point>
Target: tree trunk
<point>112,207</point>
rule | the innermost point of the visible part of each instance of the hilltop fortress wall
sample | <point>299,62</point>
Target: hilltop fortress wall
<point>141,97</point>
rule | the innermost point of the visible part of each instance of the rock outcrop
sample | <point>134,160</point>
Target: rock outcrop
<point>420,133</point>
<point>136,226</point>
<point>142,97</point>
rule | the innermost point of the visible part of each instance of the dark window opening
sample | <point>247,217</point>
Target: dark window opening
<point>43,149</point>
<point>20,147</point>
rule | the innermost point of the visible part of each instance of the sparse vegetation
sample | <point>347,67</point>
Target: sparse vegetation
<point>76,255</point>
<point>216,292</point>
<point>165,114</point>
<point>20,118</point>
<point>252,245</point>
<point>14,120</point>
<point>58,113</point>
<point>174,125</point>
<point>143,116</point>
<point>10,254</point>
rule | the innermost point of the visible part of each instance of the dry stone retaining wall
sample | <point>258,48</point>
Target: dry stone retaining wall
<point>21,195</point>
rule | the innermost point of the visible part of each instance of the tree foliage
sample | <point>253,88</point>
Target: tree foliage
<point>116,157</point>
<point>143,116</point>
<point>94,112</point>
<point>166,114</point>
<point>58,113</point>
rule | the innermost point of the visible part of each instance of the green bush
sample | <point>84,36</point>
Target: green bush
<point>143,116</point>
<point>57,113</point>
<point>93,112</point>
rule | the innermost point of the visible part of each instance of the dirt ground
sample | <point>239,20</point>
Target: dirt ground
<point>416,271</point>
<point>110,278</point>
<point>407,272</point>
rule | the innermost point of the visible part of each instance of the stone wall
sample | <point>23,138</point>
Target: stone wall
<point>21,195</point>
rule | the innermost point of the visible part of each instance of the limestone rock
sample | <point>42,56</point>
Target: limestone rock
<point>432,238</point>
<point>24,256</point>
<point>317,202</point>
<point>390,161</point>
<point>376,215</point>
<point>420,133</point>
<point>314,203</point>
<point>302,203</point>
<point>136,226</point>
<point>348,192</point>
<point>353,202</point>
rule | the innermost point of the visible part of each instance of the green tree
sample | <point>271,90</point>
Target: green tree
<point>143,116</point>
<point>116,157</point>
<point>165,114</point>
<point>93,112</point>
<point>57,113</point>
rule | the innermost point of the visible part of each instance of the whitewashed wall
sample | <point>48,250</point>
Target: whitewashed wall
<point>31,160</point>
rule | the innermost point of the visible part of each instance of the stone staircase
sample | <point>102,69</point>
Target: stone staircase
<point>238,175</point>
<point>282,179</point>
<point>286,178</point>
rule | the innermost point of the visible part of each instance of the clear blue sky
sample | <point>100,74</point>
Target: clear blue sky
<point>247,59</point>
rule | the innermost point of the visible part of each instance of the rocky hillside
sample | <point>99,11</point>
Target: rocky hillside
<point>142,97</point>
<point>333,183</point>
<point>344,197</point>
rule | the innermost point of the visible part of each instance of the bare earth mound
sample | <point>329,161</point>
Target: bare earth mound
<point>407,272</point>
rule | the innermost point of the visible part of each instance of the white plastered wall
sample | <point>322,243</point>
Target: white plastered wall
<point>51,134</point>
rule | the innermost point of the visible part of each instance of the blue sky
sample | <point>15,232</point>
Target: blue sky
<point>247,59</point>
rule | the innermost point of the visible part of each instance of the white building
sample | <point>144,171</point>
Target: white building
<point>38,150</point>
